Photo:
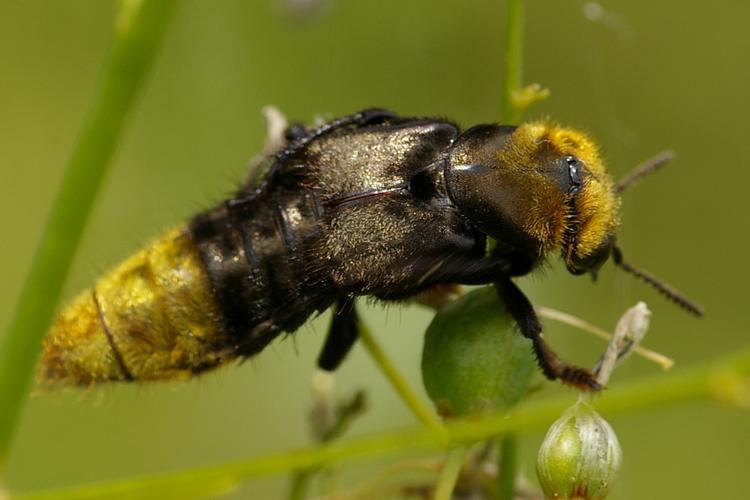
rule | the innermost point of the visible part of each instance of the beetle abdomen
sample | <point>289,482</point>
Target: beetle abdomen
<point>152,317</point>
<point>218,289</point>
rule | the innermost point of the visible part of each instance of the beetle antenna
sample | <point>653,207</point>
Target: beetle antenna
<point>661,287</point>
<point>647,167</point>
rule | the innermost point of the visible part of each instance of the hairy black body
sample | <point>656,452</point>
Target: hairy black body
<point>367,205</point>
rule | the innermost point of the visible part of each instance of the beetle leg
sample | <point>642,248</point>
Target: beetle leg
<point>342,334</point>
<point>528,322</point>
<point>469,271</point>
<point>498,269</point>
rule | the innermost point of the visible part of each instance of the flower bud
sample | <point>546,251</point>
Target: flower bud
<point>474,360</point>
<point>580,457</point>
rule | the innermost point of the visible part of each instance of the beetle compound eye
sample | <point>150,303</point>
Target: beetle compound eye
<point>574,171</point>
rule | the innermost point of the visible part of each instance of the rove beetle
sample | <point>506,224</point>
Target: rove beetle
<point>370,204</point>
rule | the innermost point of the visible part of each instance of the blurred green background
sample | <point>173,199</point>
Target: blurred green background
<point>639,76</point>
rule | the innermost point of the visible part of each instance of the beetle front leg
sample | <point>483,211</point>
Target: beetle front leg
<point>552,366</point>
<point>342,334</point>
<point>497,270</point>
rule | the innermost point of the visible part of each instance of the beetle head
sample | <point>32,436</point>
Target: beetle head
<point>537,187</point>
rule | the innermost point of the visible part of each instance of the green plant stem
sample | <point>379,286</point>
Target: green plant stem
<point>510,114</point>
<point>135,45</point>
<point>508,469</point>
<point>301,484</point>
<point>400,384</point>
<point>707,381</point>
<point>446,483</point>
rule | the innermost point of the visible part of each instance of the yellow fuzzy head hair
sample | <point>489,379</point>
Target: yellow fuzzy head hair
<point>585,233</point>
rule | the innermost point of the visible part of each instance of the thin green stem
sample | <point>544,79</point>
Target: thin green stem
<point>301,484</point>
<point>508,470</point>
<point>446,483</point>
<point>136,41</point>
<point>510,113</point>
<point>399,383</point>
<point>707,381</point>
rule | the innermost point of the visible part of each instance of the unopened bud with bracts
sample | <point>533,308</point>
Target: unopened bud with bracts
<point>580,456</point>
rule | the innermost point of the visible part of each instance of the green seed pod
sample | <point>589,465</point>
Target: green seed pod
<point>474,360</point>
<point>580,456</point>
